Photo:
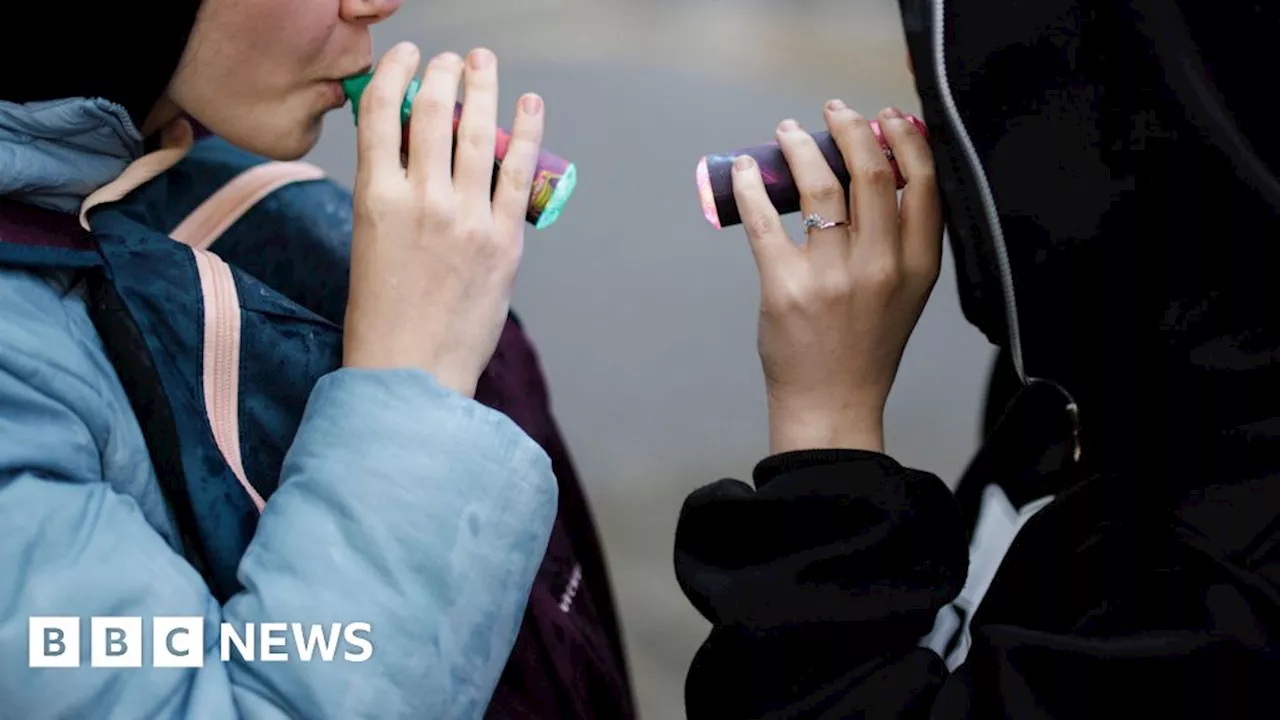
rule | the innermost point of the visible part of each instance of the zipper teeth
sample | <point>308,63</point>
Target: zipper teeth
<point>222,341</point>
<point>984,188</point>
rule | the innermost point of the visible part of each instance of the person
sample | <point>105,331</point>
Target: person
<point>382,451</point>
<point>1112,549</point>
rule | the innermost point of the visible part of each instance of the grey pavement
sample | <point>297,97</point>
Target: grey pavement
<point>645,316</point>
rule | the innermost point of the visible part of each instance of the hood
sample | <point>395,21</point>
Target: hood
<point>1111,205</point>
<point>54,154</point>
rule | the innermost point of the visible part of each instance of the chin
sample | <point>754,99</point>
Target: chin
<point>288,142</point>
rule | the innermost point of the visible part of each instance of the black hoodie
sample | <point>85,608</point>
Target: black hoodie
<point>1106,168</point>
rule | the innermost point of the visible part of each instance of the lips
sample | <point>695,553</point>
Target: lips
<point>365,69</point>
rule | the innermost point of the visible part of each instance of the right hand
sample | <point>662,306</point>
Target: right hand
<point>434,252</point>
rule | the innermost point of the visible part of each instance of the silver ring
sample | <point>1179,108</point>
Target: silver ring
<point>814,221</point>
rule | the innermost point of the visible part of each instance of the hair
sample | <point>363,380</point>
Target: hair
<point>124,51</point>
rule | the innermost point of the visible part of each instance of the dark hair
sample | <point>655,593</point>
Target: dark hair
<point>125,51</point>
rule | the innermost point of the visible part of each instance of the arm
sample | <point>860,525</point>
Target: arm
<point>402,504</point>
<point>820,583</point>
<point>817,583</point>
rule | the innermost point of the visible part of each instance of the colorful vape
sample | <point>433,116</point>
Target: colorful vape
<point>553,179</point>
<point>714,176</point>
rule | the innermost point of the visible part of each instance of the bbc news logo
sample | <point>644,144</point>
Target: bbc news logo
<point>178,642</point>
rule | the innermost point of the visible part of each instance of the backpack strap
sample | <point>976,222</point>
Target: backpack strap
<point>222,209</point>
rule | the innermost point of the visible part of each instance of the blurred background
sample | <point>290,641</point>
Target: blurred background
<point>643,314</point>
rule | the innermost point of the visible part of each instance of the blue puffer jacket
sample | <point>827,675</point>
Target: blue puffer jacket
<point>389,499</point>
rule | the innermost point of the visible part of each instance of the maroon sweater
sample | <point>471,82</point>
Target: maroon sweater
<point>568,659</point>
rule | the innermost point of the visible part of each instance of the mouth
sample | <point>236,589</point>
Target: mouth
<point>335,95</point>
<point>335,85</point>
<point>368,68</point>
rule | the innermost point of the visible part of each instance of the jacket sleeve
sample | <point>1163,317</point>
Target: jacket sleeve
<point>820,583</point>
<point>402,505</point>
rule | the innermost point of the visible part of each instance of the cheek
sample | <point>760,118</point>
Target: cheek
<point>286,34</point>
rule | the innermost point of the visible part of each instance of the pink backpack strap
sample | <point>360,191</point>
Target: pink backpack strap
<point>223,208</point>
<point>221,365</point>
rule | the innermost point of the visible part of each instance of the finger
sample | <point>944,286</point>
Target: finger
<point>431,123</point>
<point>920,214</point>
<point>477,130</point>
<point>872,183</point>
<point>515,180</point>
<point>820,191</point>
<point>769,241</point>
<point>379,129</point>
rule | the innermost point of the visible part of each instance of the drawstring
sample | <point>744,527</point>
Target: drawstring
<point>175,142</point>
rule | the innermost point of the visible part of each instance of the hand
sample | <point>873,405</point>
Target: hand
<point>434,253</point>
<point>836,312</point>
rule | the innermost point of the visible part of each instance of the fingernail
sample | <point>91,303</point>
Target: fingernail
<point>836,105</point>
<point>788,126</point>
<point>448,58</point>
<point>891,112</point>
<point>744,162</point>
<point>531,104</point>
<point>481,58</point>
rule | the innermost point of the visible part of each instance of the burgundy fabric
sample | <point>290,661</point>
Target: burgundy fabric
<point>28,225</point>
<point>568,661</point>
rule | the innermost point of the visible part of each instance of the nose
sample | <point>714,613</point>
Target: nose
<point>368,12</point>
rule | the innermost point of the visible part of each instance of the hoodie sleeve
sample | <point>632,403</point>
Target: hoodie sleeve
<point>402,505</point>
<point>821,581</point>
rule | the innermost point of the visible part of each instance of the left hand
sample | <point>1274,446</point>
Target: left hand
<point>836,312</point>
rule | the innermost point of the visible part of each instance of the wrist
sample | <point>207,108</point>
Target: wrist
<point>460,381</point>
<point>810,426</point>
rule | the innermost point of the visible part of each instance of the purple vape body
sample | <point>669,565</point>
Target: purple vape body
<point>714,175</point>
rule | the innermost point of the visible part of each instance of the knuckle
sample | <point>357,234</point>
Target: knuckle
<point>857,123</point>
<point>440,209</point>
<point>826,192</point>
<point>381,95</point>
<point>365,206</point>
<point>785,299</point>
<point>833,287</point>
<point>796,293</point>
<point>761,222</point>
<point>376,195</point>
<point>877,172</point>
<point>924,175</point>
<point>515,170</point>
<point>513,179</point>
<point>474,140</point>
<point>429,104</point>
<point>883,274</point>
<point>479,233</point>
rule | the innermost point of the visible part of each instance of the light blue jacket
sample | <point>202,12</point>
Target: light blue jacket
<point>402,504</point>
